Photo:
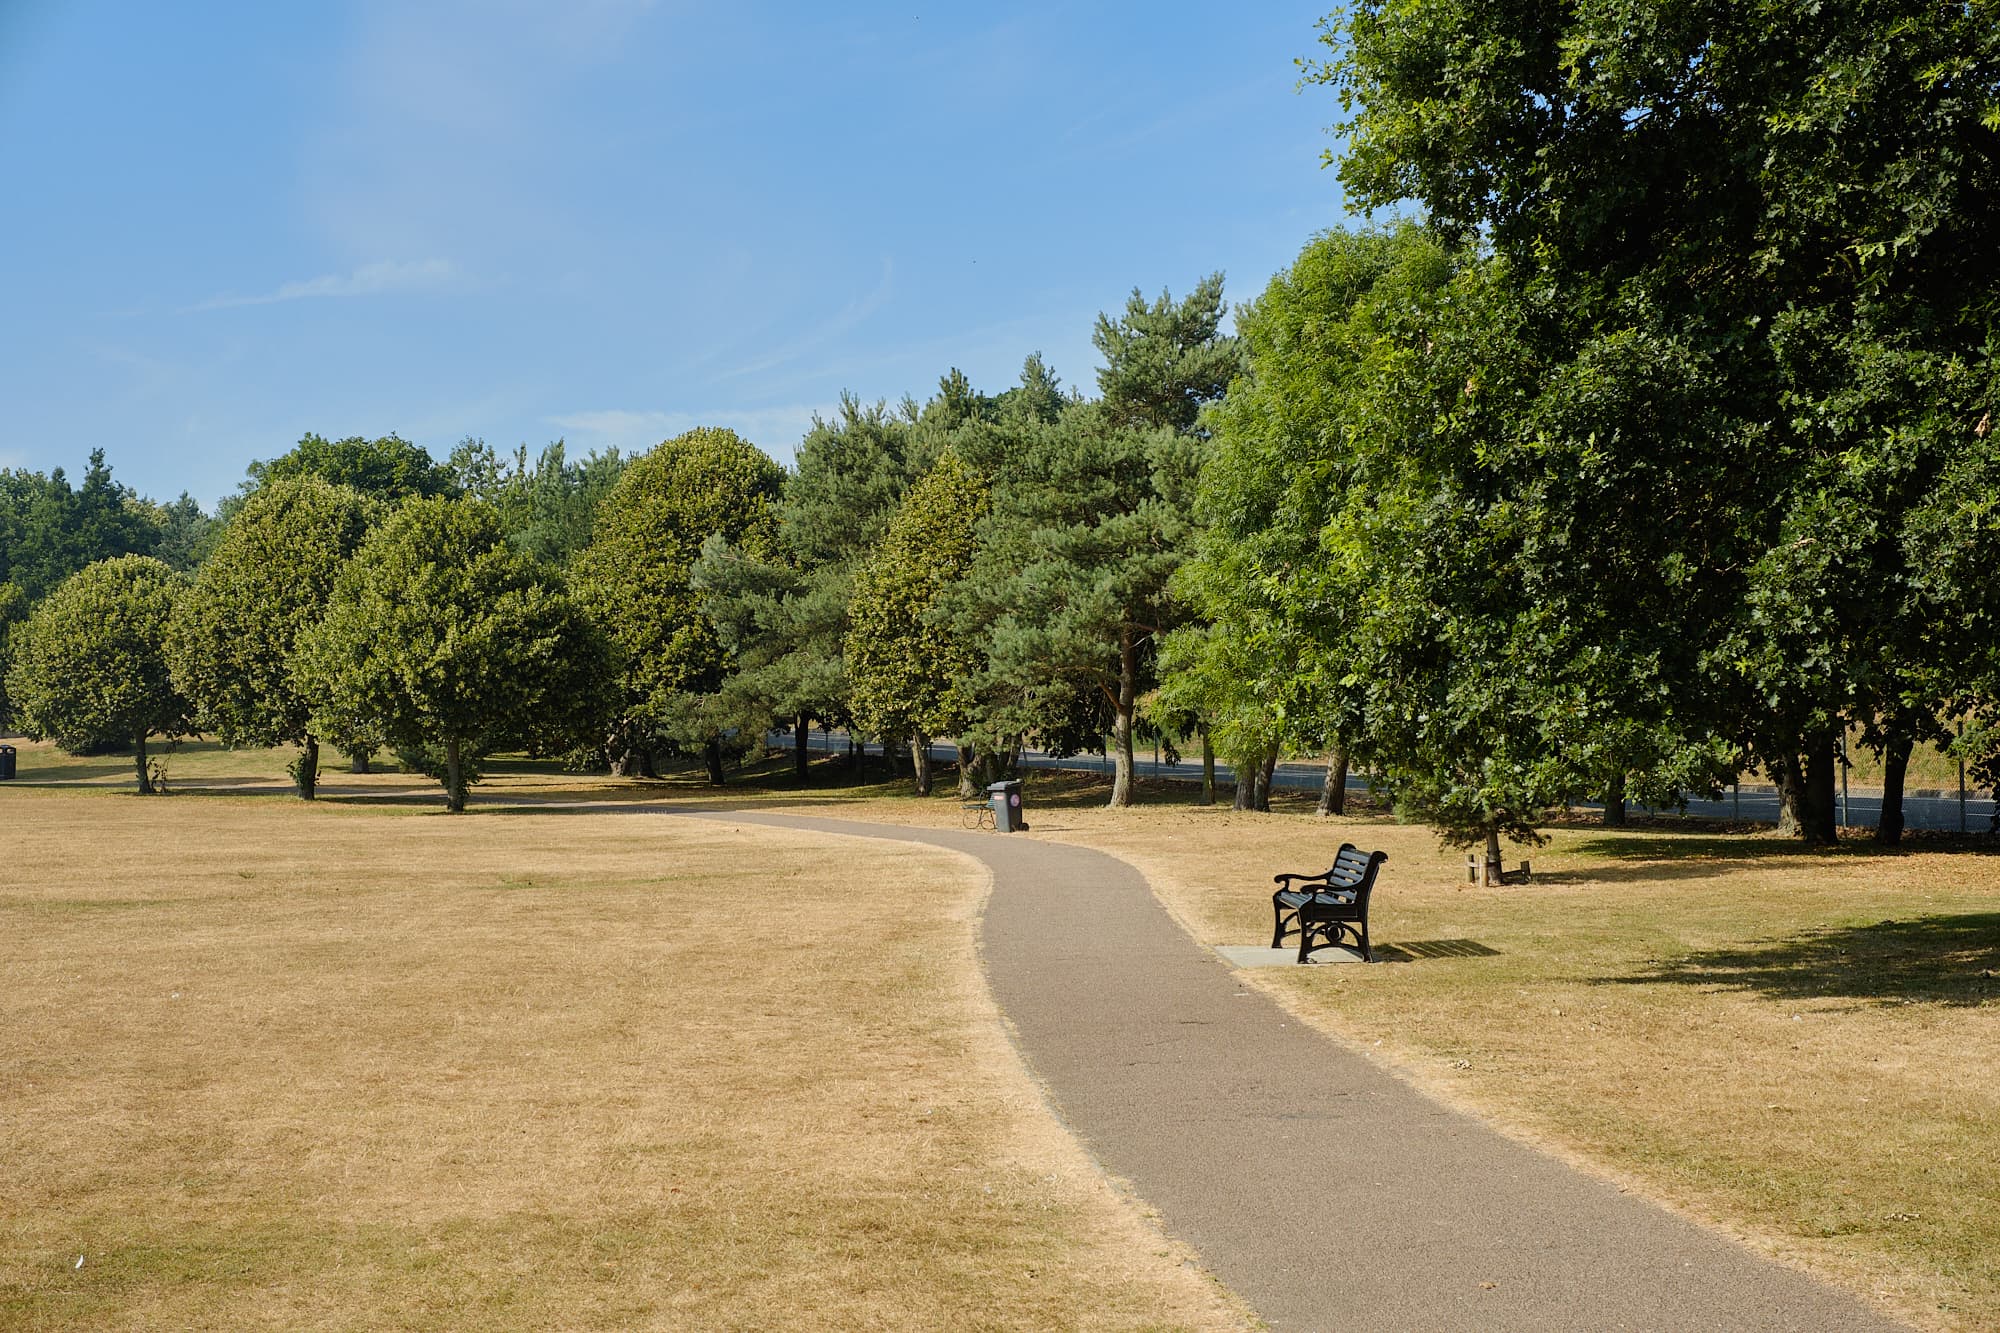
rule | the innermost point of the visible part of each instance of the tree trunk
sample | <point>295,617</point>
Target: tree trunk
<point>358,762</point>
<point>1895,765</point>
<point>1791,796</point>
<point>801,754</point>
<point>454,778</point>
<point>139,762</point>
<point>1245,767</point>
<point>711,755</point>
<point>1264,772</point>
<point>1121,727</point>
<point>1491,878</point>
<point>1614,803</point>
<point>1207,796</point>
<point>308,777</point>
<point>920,762</point>
<point>1819,806</point>
<point>968,785</point>
<point>1333,791</point>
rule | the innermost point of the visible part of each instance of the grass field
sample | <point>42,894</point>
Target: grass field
<point>1794,1046</point>
<point>361,1064</point>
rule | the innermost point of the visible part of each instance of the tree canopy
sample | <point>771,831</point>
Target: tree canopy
<point>90,666</point>
<point>388,468</point>
<point>911,671</point>
<point>634,577</point>
<point>236,630</point>
<point>1725,235</point>
<point>454,645</point>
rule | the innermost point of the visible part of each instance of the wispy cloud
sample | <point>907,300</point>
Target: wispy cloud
<point>375,279</point>
<point>849,317</point>
<point>776,430</point>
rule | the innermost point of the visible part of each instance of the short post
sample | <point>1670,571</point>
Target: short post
<point>1471,868</point>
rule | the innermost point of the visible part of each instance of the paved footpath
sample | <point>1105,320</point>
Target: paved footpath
<point>1326,1192</point>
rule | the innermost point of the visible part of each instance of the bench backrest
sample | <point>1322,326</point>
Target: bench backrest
<point>1354,869</point>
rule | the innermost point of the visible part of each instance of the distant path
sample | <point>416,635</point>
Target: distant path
<point>1324,1191</point>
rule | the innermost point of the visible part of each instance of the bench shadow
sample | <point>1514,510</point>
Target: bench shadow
<point>1944,960</point>
<point>1409,951</point>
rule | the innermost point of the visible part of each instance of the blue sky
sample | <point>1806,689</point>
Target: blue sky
<point>604,220</point>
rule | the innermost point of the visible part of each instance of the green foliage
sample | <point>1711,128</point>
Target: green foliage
<point>90,665</point>
<point>390,468</point>
<point>49,530</point>
<point>547,505</point>
<point>454,645</point>
<point>13,610</point>
<point>1091,514</point>
<point>236,630</point>
<point>1268,666</point>
<point>1723,233</point>
<point>188,535</point>
<point>783,618</point>
<point>1164,359</point>
<point>1069,587</point>
<point>910,671</point>
<point>635,576</point>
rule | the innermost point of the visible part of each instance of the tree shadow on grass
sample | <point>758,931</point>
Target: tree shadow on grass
<point>1946,960</point>
<point>1637,858</point>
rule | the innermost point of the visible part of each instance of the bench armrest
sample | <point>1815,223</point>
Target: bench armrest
<point>1317,877</point>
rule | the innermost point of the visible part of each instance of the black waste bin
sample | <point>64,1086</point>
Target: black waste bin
<point>1006,799</point>
<point>6,763</point>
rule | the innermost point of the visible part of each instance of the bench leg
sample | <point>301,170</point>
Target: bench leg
<point>1366,956</point>
<point>1279,917</point>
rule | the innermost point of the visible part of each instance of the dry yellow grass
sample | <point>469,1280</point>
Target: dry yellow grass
<point>365,1066</point>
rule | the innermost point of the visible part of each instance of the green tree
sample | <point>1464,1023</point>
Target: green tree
<point>236,630</point>
<point>90,665</point>
<point>910,673</point>
<point>1784,212</point>
<point>455,645</point>
<point>1070,586</point>
<point>1164,360</point>
<point>1267,667</point>
<point>548,504</point>
<point>1091,515</point>
<point>783,618</point>
<point>635,577</point>
<point>13,610</point>
<point>187,533</point>
<point>49,530</point>
<point>389,468</point>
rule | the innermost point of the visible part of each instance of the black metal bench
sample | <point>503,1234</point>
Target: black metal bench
<point>1331,906</point>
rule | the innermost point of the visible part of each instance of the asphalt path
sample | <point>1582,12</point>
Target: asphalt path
<point>1323,1190</point>
<point>1941,811</point>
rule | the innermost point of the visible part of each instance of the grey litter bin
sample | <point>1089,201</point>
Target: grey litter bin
<point>1006,800</point>
<point>6,763</point>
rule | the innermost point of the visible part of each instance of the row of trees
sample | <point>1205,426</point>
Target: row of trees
<point>1660,450</point>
